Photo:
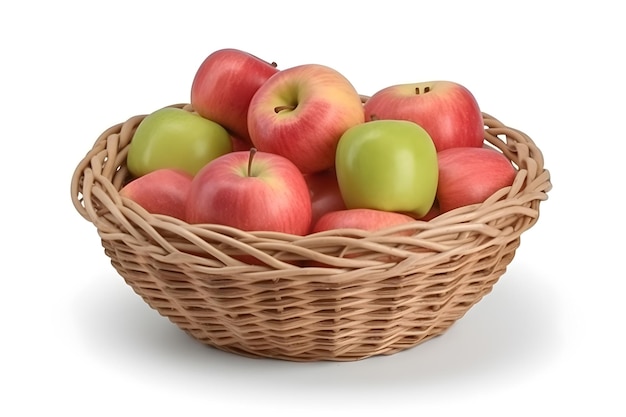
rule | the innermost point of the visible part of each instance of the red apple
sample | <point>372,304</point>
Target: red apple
<point>251,191</point>
<point>325,193</point>
<point>163,191</point>
<point>301,112</point>
<point>471,175</point>
<point>364,219</point>
<point>224,85</point>
<point>447,110</point>
<point>240,144</point>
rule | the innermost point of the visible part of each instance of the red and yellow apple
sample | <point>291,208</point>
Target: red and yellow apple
<point>251,191</point>
<point>163,191</point>
<point>371,220</point>
<point>240,144</point>
<point>447,110</point>
<point>224,85</point>
<point>471,175</point>
<point>325,193</point>
<point>301,112</point>
<point>363,219</point>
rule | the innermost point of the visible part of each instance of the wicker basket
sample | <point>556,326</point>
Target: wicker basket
<point>377,293</point>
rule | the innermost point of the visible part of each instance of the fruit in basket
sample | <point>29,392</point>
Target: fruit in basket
<point>224,84</point>
<point>471,175</point>
<point>325,193</point>
<point>447,110</point>
<point>301,112</point>
<point>387,165</point>
<point>370,220</point>
<point>240,144</point>
<point>364,219</point>
<point>251,191</point>
<point>163,191</point>
<point>434,211</point>
<point>175,138</point>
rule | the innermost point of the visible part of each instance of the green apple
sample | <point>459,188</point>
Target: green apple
<point>387,165</point>
<point>175,138</point>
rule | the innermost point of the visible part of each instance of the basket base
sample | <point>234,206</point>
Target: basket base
<point>400,315</point>
<point>318,355</point>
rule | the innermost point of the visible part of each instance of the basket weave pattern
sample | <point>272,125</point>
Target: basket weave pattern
<point>340,295</point>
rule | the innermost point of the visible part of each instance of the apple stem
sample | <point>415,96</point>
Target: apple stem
<point>252,153</point>
<point>278,109</point>
<point>426,90</point>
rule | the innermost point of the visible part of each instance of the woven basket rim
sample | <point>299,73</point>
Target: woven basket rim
<point>466,214</point>
<point>531,184</point>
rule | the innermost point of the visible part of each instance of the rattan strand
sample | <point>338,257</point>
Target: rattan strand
<point>340,295</point>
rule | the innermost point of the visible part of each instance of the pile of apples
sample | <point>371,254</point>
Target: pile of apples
<point>299,150</point>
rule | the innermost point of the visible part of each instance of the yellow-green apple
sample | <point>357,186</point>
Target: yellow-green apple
<point>301,112</point>
<point>224,84</point>
<point>434,211</point>
<point>447,110</point>
<point>471,175</point>
<point>364,219</point>
<point>251,191</point>
<point>325,193</point>
<point>175,138</point>
<point>387,165</point>
<point>163,191</point>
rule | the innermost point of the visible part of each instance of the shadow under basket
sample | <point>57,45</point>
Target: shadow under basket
<point>341,295</point>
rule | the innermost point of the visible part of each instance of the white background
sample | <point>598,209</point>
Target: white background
<point>546,341</point>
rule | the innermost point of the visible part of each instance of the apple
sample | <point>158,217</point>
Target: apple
<point>175,138</point>
<point>163,191</point>
<point>224,84</point>
<point>447,110</point>
<point>325,193</point>
<point>364,219</point>
<point>387,165</point>
<point>301,112</point>
<point>471,175</point>
<point>252,191</point>
<point>434,211</point>
<point>240,144</point>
